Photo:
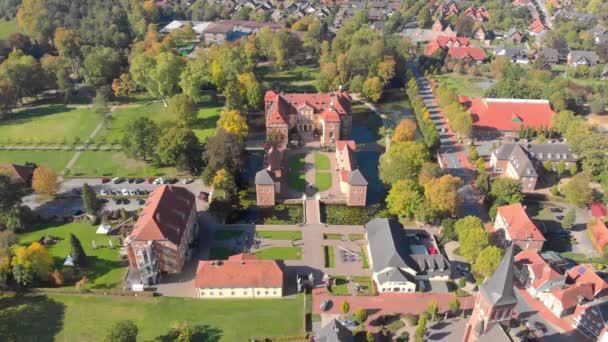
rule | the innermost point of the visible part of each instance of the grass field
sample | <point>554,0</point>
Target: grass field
<point>280,234</point>
<point>323,181</point>
<point>280,253</point>
<point>104,267</point>
<point>463,84</point>
<point>322,161</point>
<point>88,318</point>
<point>227,234</point>
<point>109,163</point>
<point>364,260</point>
<point>295,177</point>
<point>7,27</point>
<point>53,124</point>
<point>341,287</point>
<point>329,256</point>
<point>300,79</point>
<point>57,160</point>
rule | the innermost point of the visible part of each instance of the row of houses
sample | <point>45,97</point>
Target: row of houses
<point>222,30</point>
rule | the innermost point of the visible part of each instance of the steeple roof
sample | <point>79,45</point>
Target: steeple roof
<point>498,290</point>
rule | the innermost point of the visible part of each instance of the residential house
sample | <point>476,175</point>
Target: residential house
<point>467,54</point>
<point>581,57</point>
<point>268,180</point>
<point>584,274</point>
<point>515,55</point>
<point>334,331</point>
<point>19,174</point>
<point>535,274</point>
<point>217,32</point>
<point>327,114</point>
<point>517,227</point>
<point>444,43</point>
<point>404,260</point>
<point>241,276</point>
<point>161,239</point>
<point>537,27</point>
<point>477,13</point>
<point>549,55</point>
<point>505,117</point>
<point>448,8</point>
<point>600,34</point>
<point>352,181</point>
<point>443,27</point>
<point>592,320</point>
<point>481,34</point>
<point>598,209</point>
<point>513,36</point>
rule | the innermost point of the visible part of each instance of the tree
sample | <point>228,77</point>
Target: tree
<point>560,168</point>
<point>428,172</point>
<point>361,315</point>
<point>421,327</point>
<point>124,331</point>
<point>386,69</point>
<point>345,307</point>
<point>473,154</point>
<point>577,191</point>
<point>548,165</point>
<point>506,190</point>
<point>77,252</point>
<point>123,85</point>
<point>8,96</point>
<point>180,147</point>
<point>448,233</point>
<point>141,141</point>
<point>573,169</point>
<point>442,193</point>
<point>31,263</point>
<point>569,219</point>
<point>251,89</point>
<point>45,181</point>
<point>7,240</point>
<point>369,337</point>
<point>233,122</point>
<point>499,66</point>
<point>165,75</point>
<point>454,306</point>
<point>467,222</point>
<point>101,66</point>
<point>464,26</point>
<point>23,73</point>
<point>483,183</point>
<point>472,242</point>
<point>433,310</point>
<point>487,261</point>
<point>224,181</point>
<point>403,160</point>
<point>372,89</point>
<point>11,193</point>
<point>405,131</point>
<point>195,75</point>
<point>183,108</point>
<point>223,151</point>
<point>404,198</point>
<point>89,199</point>
<point>57,278</point>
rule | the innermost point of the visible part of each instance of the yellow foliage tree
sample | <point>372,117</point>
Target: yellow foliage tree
<point>405,131</point>
<point>386,69</point>
<point>33,261</point>
<point>123,85</point>
<point>442,193</point>
<point>233,122</point>
<point>45,181</point>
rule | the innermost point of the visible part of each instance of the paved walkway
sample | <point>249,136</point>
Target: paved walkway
<point>313,215</point>
<point>74,159</point>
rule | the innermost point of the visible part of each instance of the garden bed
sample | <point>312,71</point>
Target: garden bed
<point>279,214</point>
<point>336,214</point>
<point>280,253</point>
<point>329,256</point>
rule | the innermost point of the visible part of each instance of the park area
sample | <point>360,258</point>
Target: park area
<point>116,163</point>
<point>56,160</point>
<point>88,318</point>
<point>104,267</point>
<point>295,177</point>
<point>472,86</point>
<point>299,79</point>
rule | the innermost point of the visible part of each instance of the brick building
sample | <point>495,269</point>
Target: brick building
<point>162,237</point>
<point>513,221</point>
<point>352,181</point>
<point>268,180</point>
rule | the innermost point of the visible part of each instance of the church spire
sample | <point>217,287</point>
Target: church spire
<point>498,290</point>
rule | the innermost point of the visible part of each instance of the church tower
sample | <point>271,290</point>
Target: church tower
<point>495,301</point>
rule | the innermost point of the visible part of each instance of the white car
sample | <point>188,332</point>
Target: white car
<point>188,181</point>
<point>132,192</point>
<point>125,192</point>
<point>158,181</point>
<point>116,180</point>
<point>103,193</point>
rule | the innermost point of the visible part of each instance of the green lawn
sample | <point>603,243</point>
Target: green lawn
<point>355,237</point>
<point>57,160</point>
<point>322,161</point>
<point>54,124</point>
<point>341,286</point>
<point>323,181</point>
<point>104,267</point>
<point>463,84</point>
<point>227,234</point>
<point>299,79</point>
<point>280,253</point>
<point>329,256</point>
<point>332,236</point>
<point>112,163</point>
<point>88,318</point>
<point>7,27</point>
<point>220,253</point>
<point>280,234</point>
<point>295,177</point>
<point>365,262</point>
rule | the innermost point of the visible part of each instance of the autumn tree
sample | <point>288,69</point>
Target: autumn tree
<point>67,43</point>
<point>123,85</point>
<point>141,141</point>
<point>386,69</point>
<point>405,131</point>
<point>454,306</point>
<point>372,89</point>
<point>8,96</point>
<point>45,181</point>
<point>31,263</point>
<point>403,160</point>
<point>183,108</point>
<point>404,198</point>
<point>7,240</point>
<point>77,252</point>
<point>361,315</point>
<point>345,307</point>
<point>233,122</point>
<point>223,180</point>
<point>223,151</point>
<point>442,193</point>
<point>428,172</point>
<point>499,66</point>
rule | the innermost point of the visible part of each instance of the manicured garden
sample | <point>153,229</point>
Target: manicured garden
<point>280,253</point>
<point>53,124</point>
<point>356,237</point>
<point>295,176</point>
<point>322,162</point>
<point>329,252</point>
<point>104,267</point>
<point>280,234</point>
<point>56,160</point>
<point>299,79</point>
<point>323,181</point>
<point>88,318</point>
<point>112,163</point>
<point>343,215</point>
<point>340,287</point>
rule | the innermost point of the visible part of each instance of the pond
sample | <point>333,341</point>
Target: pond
<point>254,162</point>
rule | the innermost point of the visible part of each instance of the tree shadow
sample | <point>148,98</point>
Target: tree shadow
<point>200,333</point>
<point>30,114</point>
<point>30,318</point>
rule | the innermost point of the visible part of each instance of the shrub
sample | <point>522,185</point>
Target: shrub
<point>411,319</point>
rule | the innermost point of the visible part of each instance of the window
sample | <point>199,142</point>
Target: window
<point>233,293</point>
<point>274,292</point>
<point>258,293</point>
<point>266,292</point>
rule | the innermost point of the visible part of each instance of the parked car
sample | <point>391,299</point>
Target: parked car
<point>349,323</point>
<point>124,192</point>
<point>187,181</point>
<point>141,201</point>
<point>125,201</point>
<point>133,192</point>
<point>117,180</point>
<point>556,210</point>
<point>462,267</point>
<point>102,192</point>
<point>159,181</point>
<point>139,180</point>
<point>118,200</point>
<point>540,326</point>
<point>325,304</point>
<point>105,180</point>
<point>78,212</point>
<point>131,180</point>
<point>151,180</point>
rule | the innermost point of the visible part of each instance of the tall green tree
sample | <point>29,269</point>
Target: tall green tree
<point>23,73</point>
<point>77,252</point>
<point>89,199</point>
<point>403,160</point>
<point>165,75</point>
<point>183,108</point>
<point>487,261</point>
<point>180,147</point>
<point>195,75</point>
<point>569,219</point>
<point>577,191</point>
<point>141,141</point>
<point>506,190</point>
<point>11,192</point>
<point>404,198</point>
<point>101,65</point>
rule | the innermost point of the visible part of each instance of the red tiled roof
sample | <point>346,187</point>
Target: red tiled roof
<point>462,52</point>
<point>18,173</point>
<point>600,234</point>
<point>583,274</point>
<point>541,270</point>
<point>529,256</point>
<point>519,225</point>
<point>477,13</point>
<point>537,26</point>
<point>239,271</point>
<point>269,96</point>
<point>598,209</point>
<point>510,114</point>
<point>285,104</point>
<point>345,156</point>
<point>341,144</point>
<point>165,215</point>
<point>344,175</point>
<point>330,115</point>
<point>445,42</point>
<point>569,296</point>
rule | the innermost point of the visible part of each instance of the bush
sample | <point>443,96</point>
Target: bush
<point>411,319</point>
<point>462,282</point>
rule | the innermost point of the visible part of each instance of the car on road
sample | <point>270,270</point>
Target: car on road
<point>125,201</point>
<point>118,200</point>
<point>462,267</point>
<point>102,192</point>
<point>325,304</point>
<point>187,181</point>
<point>105,180</point>
<point>117,180</point>
<point>349,323</point>
<point>124,192</point>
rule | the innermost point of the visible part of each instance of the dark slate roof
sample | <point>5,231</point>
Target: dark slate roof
<point>504,151</point>
<point>498,290</point>
<point>523,166</point>
<point>582,55</point>
<point>356,178</point>
<point>551,55</point>
<point>387,244</point>
<point>263,177</point>
<point>432,264</point>
<point>334,331</point>
<point>551,151</point>
<point>395,275</point>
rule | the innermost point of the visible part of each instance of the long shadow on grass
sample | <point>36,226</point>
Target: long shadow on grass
<point>204,123</point>
<point>30,114</point>
<point>30,318</point>
<point>200,333</point>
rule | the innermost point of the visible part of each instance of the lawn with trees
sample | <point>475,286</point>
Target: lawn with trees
<point>7,27</point>
<point>89,318</point>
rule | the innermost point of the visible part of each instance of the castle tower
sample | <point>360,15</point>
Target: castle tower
<point>495,301</point>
